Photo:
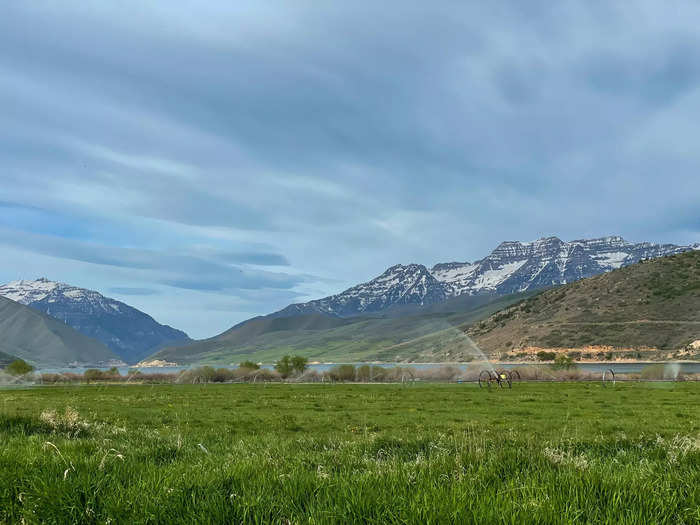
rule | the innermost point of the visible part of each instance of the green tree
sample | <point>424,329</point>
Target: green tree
<point>299,364</point>
<point>93,374</point>
<point>249,365</point>
<point>284,367</point>
<point>545,356</point>
<point>563,362</point>
<point>19,367</point>
<point>363,373</point>
<point>342,373</point>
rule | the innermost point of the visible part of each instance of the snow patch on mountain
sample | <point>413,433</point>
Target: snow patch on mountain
<point>490,279</point>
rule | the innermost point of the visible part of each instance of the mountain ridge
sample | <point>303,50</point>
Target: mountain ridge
<point>512,267</point>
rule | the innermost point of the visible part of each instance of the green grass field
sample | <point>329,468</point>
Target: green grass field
<point>283,453</point>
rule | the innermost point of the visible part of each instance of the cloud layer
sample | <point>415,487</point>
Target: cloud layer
<point>210,162</point>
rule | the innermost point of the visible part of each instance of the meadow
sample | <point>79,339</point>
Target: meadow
<point>351,453</point>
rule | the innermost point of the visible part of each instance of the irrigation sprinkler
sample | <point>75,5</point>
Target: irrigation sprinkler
<point>502,378</point>
<point>608,377</point>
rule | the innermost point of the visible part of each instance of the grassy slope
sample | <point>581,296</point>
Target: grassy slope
<point>44,341</point>
<point>539,453</point>
<point>654,304</point>
<point>429,336</point>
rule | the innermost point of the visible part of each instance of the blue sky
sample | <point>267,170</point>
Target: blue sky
<point>207,162</point>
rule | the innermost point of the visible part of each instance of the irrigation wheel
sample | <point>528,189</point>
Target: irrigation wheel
<point>485,379</point>
<point>504,379</point>
<point>608,377</point>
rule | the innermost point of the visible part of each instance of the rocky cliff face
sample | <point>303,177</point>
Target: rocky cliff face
<point>512,267</point>
<point>128,332</point>
<point>516,267</point>
<point>399,285</point>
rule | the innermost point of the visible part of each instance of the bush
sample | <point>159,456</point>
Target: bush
<point>93,374</point>
<point>284,367</point>
<point>19,367</point>
<point>202,374</point>
<point>442,373</point>
<point>546,356</point>
<point>299,364</point>
<point>249,365</point>
<point>342,373</point>
<point>377,373</point>
<point>563,362</point>
<point>363,373</point>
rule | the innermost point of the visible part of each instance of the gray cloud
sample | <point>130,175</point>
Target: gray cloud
<point>177,270</point>
<point>125,290</point>
<point>196,145</point>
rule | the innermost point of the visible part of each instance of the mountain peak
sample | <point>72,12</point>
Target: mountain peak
<point>515,267</point>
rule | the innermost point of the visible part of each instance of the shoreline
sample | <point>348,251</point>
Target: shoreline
<point>387,363</point>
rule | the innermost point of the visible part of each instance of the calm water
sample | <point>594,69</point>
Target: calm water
<point>621,368</point>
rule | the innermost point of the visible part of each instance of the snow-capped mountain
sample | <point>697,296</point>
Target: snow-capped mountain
<point>517,267</point>
<point>511,267</point>
<point>128,332</point>
<point>410,284</point>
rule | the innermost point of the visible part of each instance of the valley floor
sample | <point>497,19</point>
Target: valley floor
<point>298,453</point>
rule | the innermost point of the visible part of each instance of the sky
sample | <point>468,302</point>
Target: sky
<point>207,162</point>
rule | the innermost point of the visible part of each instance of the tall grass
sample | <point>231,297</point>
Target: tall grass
<point>542,453</point>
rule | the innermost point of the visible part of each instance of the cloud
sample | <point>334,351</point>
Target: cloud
<point>300,148</point>
<point>176,270</point>
<point>133,291</point>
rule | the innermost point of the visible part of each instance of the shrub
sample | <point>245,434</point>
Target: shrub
<point>342,373</point>
<point>249,365</point>
<point>442,373</point>
<point>205,374</point>
<point>377,373</point>
<point>563,362</point>
<point>93,374</point>
<point>363,373</point>
<point>546,356</point>
<point>19,367</point>
<point>299,364</point>
<point>284,366</point>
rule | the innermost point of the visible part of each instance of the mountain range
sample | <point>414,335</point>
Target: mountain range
<point>407,312</point>
<point>512,267</point>
<point>128,332</point>
<point>410,312</point>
